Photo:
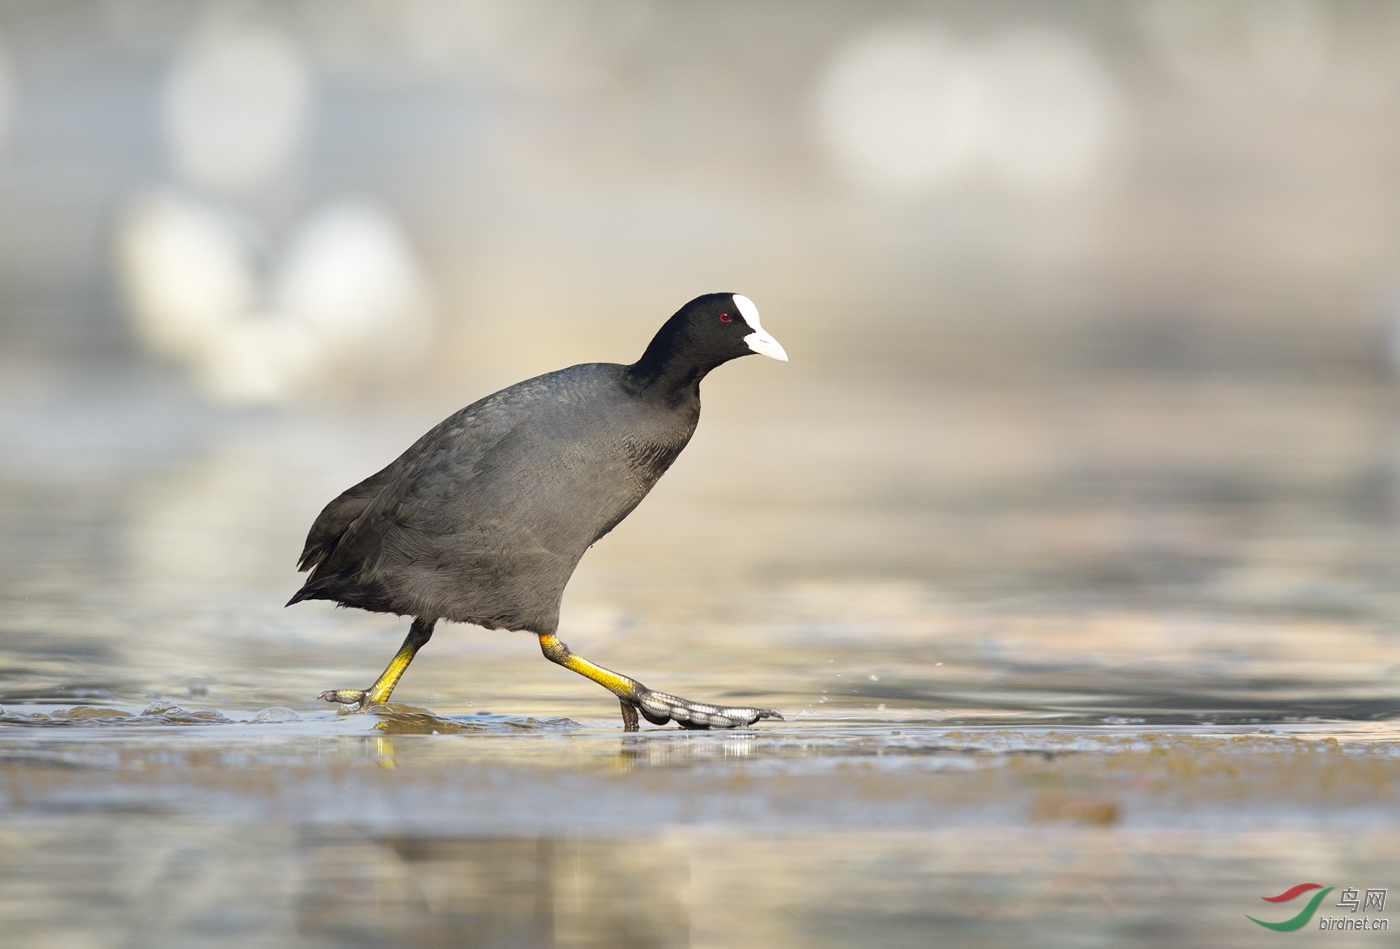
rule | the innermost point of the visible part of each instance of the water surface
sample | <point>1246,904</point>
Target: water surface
<point>1096,664</point>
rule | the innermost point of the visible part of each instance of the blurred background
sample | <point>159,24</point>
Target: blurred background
<point>1090,423</point>
<point>1092,307</point>
<point>236,190</point>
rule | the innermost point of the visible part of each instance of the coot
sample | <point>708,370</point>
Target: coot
<point>484,518</point>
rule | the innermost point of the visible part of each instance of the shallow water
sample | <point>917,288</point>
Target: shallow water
<point>1088,665</point>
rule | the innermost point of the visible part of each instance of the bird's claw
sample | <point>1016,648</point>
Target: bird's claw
<point>660,708</point>
<point>350,700</point>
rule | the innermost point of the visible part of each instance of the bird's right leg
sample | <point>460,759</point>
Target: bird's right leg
<point>418,634</point>
<point>656,707</point>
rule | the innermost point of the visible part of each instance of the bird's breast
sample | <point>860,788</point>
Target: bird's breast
<point>649,459</point>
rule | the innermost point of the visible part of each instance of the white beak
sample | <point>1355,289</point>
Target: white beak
<point>759,340</point>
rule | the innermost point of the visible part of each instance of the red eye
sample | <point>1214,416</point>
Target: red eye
<point>725,317</point>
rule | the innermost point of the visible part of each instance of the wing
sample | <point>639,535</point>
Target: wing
<point>335,518</point>
<point>409,491</point>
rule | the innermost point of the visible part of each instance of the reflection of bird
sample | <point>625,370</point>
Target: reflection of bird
<point>485,517</point>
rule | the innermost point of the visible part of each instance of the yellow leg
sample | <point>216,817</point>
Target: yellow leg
<point>624,687</point>
<point>418,635</point>
<point>656,707</point>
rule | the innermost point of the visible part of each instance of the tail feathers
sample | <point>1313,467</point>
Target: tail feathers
<point>316,588</point>
<point>302,594</point>
<point>305,593</point>
<point>348,590</point>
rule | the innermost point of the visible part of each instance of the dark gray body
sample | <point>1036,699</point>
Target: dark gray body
<point>484,518</point>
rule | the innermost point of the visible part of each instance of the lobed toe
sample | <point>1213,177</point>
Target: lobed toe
<point>344,696</point>
<point>659,708</point>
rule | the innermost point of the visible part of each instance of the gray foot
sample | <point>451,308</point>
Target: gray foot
<point>660,708</point>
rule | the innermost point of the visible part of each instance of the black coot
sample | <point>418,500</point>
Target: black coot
<point>485,517</point>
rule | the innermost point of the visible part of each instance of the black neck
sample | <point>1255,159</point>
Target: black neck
<point>666,374</point>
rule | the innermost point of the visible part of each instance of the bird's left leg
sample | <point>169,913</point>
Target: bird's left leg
<point>418,635</point>
<point>656,707</point>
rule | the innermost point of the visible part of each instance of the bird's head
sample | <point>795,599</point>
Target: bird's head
<point>722,326</point>
<point>703,334</point>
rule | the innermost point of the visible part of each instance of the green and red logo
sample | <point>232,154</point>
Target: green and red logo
<point>1304,916</point>
<point>1356,905</point>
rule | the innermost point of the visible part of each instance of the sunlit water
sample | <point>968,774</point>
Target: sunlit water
<point>1092,665</point>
